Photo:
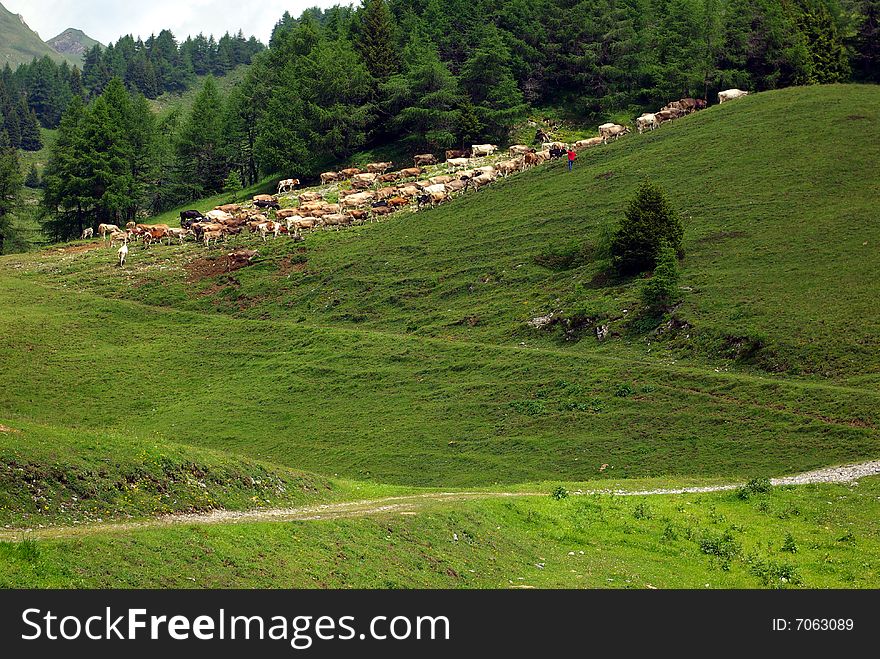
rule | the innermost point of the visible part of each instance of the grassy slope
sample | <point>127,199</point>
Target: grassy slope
<point>361,364</point>
<point>692,541</point>
<point>776,191</point>
<point>51,475</point>
<point>19,44</point>
<point>403,409</point>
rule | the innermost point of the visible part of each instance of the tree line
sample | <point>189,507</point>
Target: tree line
<point>430,75</point>
<point>160,64</point>
<point>38,93</point>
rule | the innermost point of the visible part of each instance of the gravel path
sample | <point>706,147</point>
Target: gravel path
<point>403,505</point>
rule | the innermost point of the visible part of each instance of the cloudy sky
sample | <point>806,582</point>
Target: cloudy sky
<point>107,20</point>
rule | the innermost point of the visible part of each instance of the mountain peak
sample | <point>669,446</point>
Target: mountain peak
<point>72,42</point>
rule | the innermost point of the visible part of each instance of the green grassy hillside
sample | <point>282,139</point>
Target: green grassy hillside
<point>398,352</point>
<point>19,44</point>
<point>823,536</point>
<point>379,358</point>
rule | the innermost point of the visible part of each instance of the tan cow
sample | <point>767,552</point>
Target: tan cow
<point>329,177</point>
<point>479,150</point>
<point>379,167</point>
<point>607,131</point>
<point>309,197</point>
<point>647,121</point>
<point>424,159</point>
<point>588,143</point>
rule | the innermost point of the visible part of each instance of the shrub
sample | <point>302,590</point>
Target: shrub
<point>724,546</point>
<point>33,180</point>
<point>650,219</point>
<point>559,493</point>
<point>642,511</point>
<point>755,486</point>
<point>232,185</point>
<point>624,390</point>
<point>789,545</point>
<point>661,291</point>
<point>775,575</point>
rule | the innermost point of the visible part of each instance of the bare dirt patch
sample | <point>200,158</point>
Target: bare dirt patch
<point>8,429</point>
<point>199,269</point>
<point>293,263</point>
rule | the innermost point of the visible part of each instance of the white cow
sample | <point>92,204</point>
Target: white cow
<point>287,185</point>
<point>731,94</point>
<point>647,121</point>
<point>123,252</point>
<point>479,150</point>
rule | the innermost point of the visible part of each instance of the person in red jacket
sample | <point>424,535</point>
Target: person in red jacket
<point>571,158</point>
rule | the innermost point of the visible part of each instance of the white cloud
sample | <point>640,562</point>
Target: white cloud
<point>107,20</point>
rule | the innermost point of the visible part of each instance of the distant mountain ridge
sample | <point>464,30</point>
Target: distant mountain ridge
<point>72,42</point>
<point>19,44</point>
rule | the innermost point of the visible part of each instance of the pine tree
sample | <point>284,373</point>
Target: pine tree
<point>63,210</point>
<point>866,44</point>
<point>201,161</point>
<point>375,40</point>
<point>487,79</point>
<point>649,221</point>
<point>33,178</point>
<point>829,59</point>
<point>661,292</point>
<point>10,186</point>
<point>232,185</point>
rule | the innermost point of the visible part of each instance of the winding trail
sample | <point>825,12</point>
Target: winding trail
<point>402,505</point>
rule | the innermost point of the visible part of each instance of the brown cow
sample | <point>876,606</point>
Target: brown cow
<point>329,177</point>
<point>379,167</point>
<point>397,202</point>
<point>457,153</point>
<point>412,172</point>
<point>240,258</point>
<point>389,178</point>
<point>424,159</point>
<point>350,172</point>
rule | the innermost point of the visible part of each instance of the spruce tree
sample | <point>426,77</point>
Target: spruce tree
<point>32,180</point>
<point>661,292</point>
<point>375,41</point>
<point>488,80</point>
<point>10,186</point>
<point>201,158</point>
<point>649,221</point>
<point>424,100</point>
<point>232,185</point>
<point>866,43</point>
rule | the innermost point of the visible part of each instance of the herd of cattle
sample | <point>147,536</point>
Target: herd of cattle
<point>364,194</point>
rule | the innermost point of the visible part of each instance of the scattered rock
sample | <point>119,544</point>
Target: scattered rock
<point>602,332</point>
<point>541,322</point>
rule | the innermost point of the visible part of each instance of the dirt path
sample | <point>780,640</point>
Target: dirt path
<point>402,505</point>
